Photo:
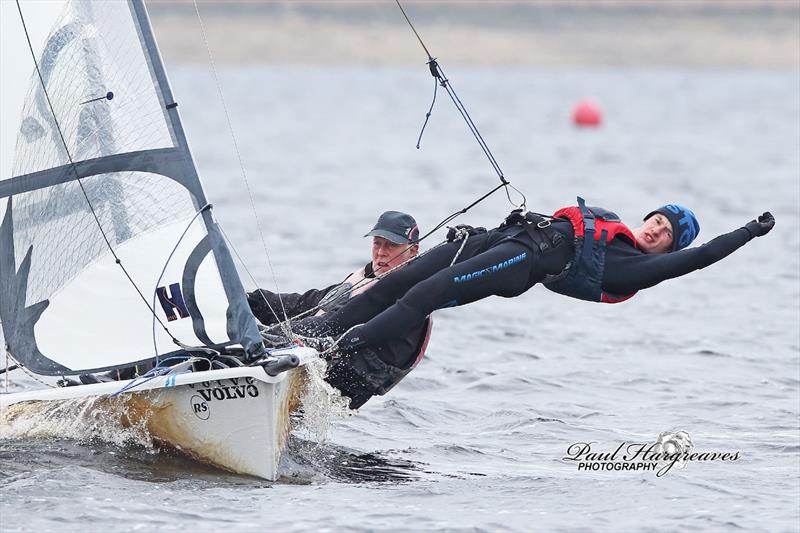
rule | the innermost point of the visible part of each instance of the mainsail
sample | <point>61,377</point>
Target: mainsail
<point>66,307</point>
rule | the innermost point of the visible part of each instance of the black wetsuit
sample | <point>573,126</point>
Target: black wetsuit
<point>359,374</point>
<point>268,307</point>
<point>629,269</point>
<point>505,262</point>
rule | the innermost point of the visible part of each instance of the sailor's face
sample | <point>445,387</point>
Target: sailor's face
<point>386,254</point>
<point>654,236</point>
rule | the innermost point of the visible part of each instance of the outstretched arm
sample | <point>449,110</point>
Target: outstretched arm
<point>266,304</point>
<point>628,271</point>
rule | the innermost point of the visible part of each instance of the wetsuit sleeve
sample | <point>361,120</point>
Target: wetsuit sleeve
<point>629,270</point>
<point>293,302</point>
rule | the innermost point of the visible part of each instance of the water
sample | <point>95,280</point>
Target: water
<point>474,438</point>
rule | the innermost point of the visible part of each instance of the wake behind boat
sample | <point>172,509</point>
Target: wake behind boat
<point>110,257</point>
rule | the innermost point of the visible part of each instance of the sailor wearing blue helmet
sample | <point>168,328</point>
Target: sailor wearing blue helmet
<point>580,251</point>
<point>683,228</point>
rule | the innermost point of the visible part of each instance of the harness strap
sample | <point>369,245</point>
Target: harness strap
<point>588,215</point>
<point>588,230</point>
<point>542,233</point>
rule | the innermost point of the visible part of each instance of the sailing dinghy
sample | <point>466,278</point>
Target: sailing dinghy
<point>110,255</point>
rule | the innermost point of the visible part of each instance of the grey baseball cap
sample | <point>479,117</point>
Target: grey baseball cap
<point>400,228</point>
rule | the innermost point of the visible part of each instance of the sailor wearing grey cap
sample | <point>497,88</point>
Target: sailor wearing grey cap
<point>363,373</point>
<point>394,240</point>
<point>400,228</point>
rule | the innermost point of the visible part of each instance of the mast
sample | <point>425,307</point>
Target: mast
<point>241,322</point>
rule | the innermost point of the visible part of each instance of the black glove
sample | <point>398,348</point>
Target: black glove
<point>453,234</point>
<point>760,227</point>
<point>516,217</point>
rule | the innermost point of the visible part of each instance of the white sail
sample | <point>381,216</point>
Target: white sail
<point>65,305</point>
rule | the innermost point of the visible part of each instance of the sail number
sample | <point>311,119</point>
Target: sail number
<point>220,391</point>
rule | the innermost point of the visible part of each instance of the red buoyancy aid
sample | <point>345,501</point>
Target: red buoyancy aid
<point>594,228</point>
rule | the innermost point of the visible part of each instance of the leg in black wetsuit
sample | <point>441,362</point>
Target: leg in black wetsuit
<point>490,264</point>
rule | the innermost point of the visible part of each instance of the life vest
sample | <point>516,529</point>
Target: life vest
<point>342,293</point>
<point>594,228</point>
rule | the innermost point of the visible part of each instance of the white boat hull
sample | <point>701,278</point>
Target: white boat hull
<point>236,419</point>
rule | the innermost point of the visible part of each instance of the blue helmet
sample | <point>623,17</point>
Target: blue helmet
<point>684,224</point>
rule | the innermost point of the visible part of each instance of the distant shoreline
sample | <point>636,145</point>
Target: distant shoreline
<point>624,33</point>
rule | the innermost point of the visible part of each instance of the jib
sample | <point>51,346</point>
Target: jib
<point>229,393</point>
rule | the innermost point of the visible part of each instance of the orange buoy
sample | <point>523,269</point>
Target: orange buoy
<point>587,113</point>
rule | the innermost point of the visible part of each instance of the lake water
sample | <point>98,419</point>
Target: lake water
<point>474,438</point>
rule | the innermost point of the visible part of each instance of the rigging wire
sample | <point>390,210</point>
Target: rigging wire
<point>9,367</point>
<point>441,79</point>
<point>25,371</point>
<point>284,324</point>
<point>166,263</point>
<point>366,281</point>
<point>239,157</point>
<point>74,168</point>
<point>429,113</point>
<point>461,234</point>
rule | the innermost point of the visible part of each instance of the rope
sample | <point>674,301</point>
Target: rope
<point>25,370</point>
<point>8,369</point>
<point>363,282</point>
<point>461,233</point>
<point>454,215</point>
<point>428,114</point>
<point>80,183</point>
<point>439,74</point>
<point>162,371</point>
<point>238,156</point>
<point>441,79</point>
